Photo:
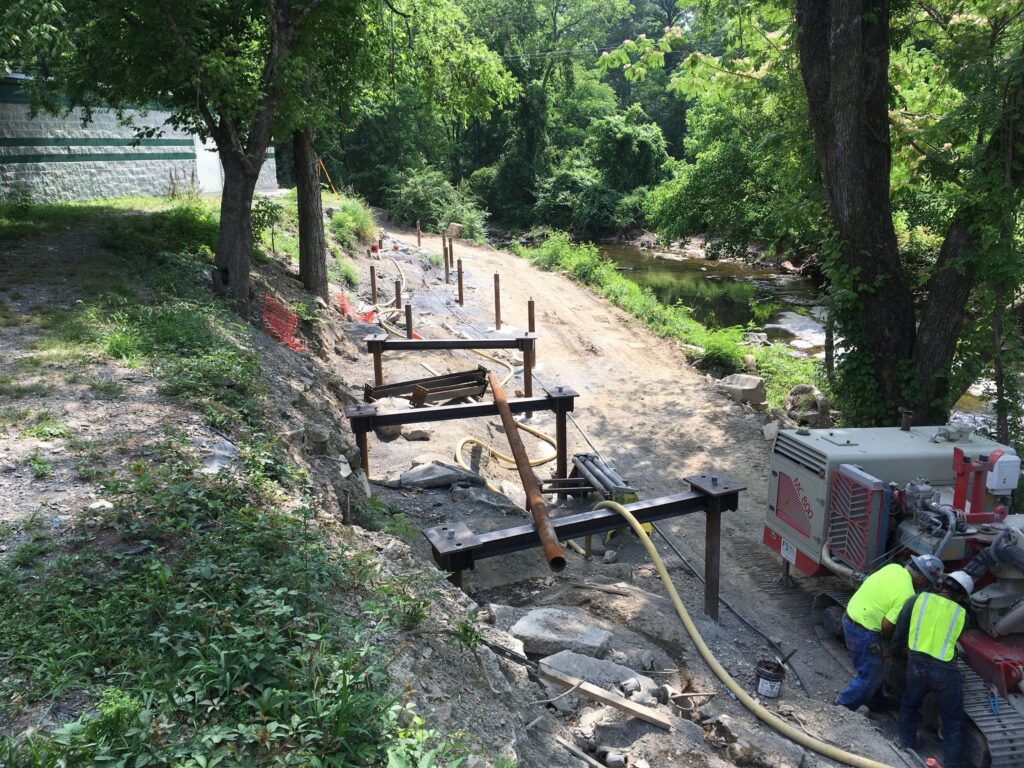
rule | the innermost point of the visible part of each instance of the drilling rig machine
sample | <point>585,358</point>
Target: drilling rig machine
<point>845,502</point>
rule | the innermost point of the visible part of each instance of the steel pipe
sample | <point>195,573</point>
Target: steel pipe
<point>534,499</point>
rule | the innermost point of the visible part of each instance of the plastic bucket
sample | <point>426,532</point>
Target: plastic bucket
<point>770,675</point>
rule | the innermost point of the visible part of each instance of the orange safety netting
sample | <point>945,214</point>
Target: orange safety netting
<point>280,323</point>
<point>345,307</point>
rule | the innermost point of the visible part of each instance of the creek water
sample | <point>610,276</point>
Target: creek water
<point>727,293</point>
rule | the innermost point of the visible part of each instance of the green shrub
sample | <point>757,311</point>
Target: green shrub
<point>353,223</point>
<point>576,198</point>
<point>427,195</point>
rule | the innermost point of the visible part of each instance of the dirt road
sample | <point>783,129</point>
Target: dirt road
<point>650,414</point>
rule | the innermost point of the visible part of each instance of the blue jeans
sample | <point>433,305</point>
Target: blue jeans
<point>866,653</point>
<point>926,674</point>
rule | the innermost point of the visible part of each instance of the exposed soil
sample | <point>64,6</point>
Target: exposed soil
<point>648,413</point>
<point>655,419</point>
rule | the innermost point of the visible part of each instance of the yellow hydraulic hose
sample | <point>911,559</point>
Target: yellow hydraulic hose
<point>767,717</point>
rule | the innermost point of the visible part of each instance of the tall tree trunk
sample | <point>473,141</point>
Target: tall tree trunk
<point>312,243</point>
<point>234,238</point>
<point>844,60</point>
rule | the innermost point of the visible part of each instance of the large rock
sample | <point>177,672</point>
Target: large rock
<point>437,474</point>
<point>744,388</point>
<point>600,672</point>
<point>546,631</point>
<point>386,405</point>
<point>808,407</point>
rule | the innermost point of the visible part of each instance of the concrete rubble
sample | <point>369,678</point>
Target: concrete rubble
<point>546,631</point>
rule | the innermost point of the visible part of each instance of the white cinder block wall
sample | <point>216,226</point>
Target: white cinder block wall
<point>54,157</point>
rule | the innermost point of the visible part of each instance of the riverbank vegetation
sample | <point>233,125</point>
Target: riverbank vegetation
<point>719,351</point>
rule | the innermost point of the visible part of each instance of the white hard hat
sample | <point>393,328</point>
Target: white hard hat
<point>964,579</point>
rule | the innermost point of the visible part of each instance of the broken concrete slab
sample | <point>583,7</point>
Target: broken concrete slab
<point>744,388</point>
<point>597,671</point>
<point>438,474</point>
<point>387,405</point>
<point>546,631</point>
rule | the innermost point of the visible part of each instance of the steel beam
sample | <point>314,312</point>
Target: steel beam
<point>381,341</point>
<point>457,548</point>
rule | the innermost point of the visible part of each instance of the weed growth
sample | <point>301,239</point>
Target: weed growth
<point>353,224</point>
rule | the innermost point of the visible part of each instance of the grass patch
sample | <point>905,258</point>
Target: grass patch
<point>105,387</point>
<point>7,316</point>
<point>41,468</point>
<point>46,426</point>
<point>342,271</point>
<point>217,646</point>
<point>30,552</point>
<point>14,390</point>
<point>353,224</point>
<point>722,353</point>
<point>12,417</point>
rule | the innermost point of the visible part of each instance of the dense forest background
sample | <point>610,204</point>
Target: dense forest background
<point>879,140</point>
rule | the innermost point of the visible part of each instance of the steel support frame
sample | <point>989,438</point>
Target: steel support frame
<point>364,417</point>
<point>456,547</point>
<point>378,343</point>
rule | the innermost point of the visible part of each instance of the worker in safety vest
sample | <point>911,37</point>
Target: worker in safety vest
<point>929,626</point>
<point>871,616</point>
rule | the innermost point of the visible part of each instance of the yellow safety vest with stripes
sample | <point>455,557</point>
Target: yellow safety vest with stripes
<point>935,626</point>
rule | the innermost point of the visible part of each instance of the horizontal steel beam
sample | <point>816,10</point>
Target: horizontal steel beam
<point>379,342</point>
<point>429,382</point>
<point>457,548</point>
<point>364,416</point>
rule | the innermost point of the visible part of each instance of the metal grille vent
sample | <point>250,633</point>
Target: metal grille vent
<point>788,446</point>
<point>788,507</point>
<point>855,513</point>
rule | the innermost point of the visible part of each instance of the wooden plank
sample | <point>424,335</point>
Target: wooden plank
<point>647,714</point>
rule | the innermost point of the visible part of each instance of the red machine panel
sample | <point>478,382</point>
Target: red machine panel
<point>788,507</point>
<point>857,526</point>
<point>999,660</point>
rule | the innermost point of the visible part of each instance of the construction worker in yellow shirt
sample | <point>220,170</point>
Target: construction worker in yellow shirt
<point>929,626</point>
<point>871,616</point>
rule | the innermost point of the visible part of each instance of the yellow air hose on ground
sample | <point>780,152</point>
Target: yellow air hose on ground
<point>767,717</point>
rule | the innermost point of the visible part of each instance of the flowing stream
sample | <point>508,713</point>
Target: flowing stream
<point>726,293</point>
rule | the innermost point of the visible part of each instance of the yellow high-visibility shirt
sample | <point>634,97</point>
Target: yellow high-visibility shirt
<point>881,596</point>
<point>935,625</point>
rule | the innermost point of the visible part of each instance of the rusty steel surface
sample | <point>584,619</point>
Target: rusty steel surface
<point>398,294</point>
<point>373,284</point>
<point>456,547</point>
<point>461,296</point>
<point>408,321</point>
<point>534,499</point>
<point>497,301</point>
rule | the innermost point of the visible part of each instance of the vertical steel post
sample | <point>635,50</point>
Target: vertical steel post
<point>447,257</point>
<point>373,284</point>
<point>497,301</point>
<point>364,452</point>
<point>398,294</point>
<point>561,447</point>
<point>528,353</point>
<point>408,321</point>
<point>451,249</point>
<point>712,556</point>
<point>378,367</point>
<point>380,244</point>
<point>461,298</point>
<point>419,243</point>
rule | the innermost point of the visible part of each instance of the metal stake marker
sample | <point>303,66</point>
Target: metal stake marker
<point>380,244</point>
<point>530,355</point>
<point>398,294</point>
<point>419,244</point>
<point>447,256</point>
<point>408,321</point>
<point>373,284</point>
<point>451,249</point>
<point>461,298</point>
<point>497,301</point>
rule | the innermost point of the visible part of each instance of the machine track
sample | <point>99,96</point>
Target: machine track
<point>1002,733</point>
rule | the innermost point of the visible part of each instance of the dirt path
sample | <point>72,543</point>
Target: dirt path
<point>652,416</point>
